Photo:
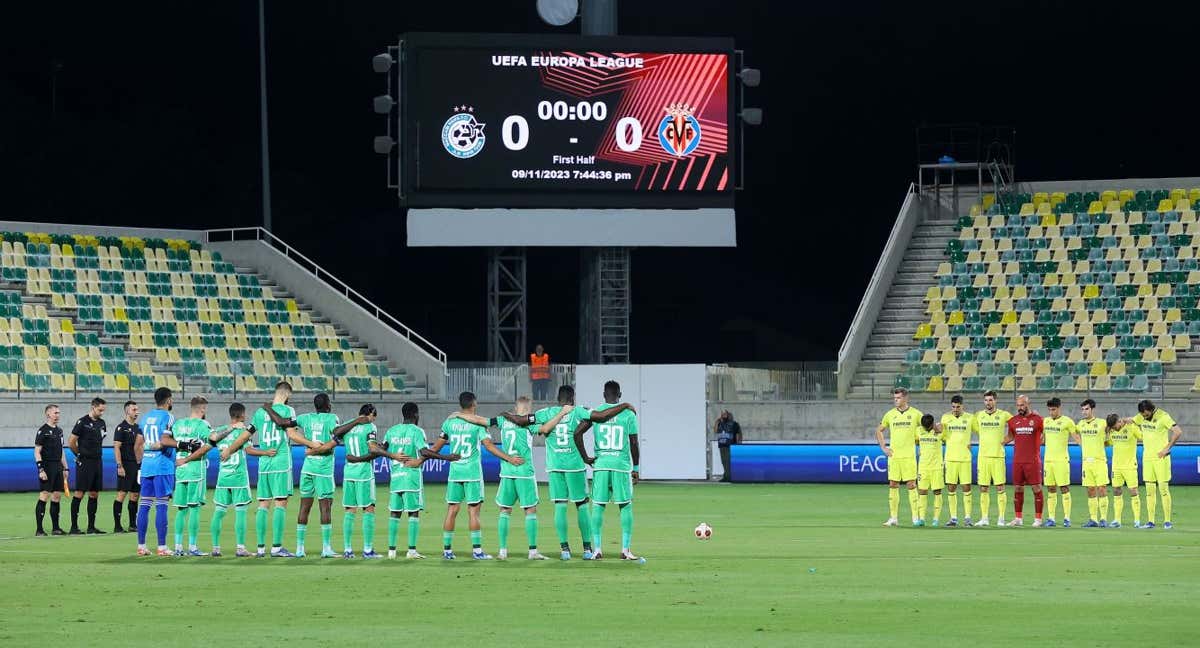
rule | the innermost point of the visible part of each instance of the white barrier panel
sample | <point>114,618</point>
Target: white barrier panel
<point>670,401</point>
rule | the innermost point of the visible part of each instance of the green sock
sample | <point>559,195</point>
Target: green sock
<point>531,529</point>
<point>560,522</point>
<point>301,532</point>
<point>180,523</point>
<point>193,526</point>
<point>585,516</point>
<point>626,525</point>
<point>476,539</point>
<point>597,525</point>
<point>278,520</point>
<point>447,539</point>
<point>326,536</point>
<point>368,531</point>
<point>348,531</point>
<point>393,532</point>
<point>502,529</point>
<point>215,526</point>
<point>239,525</point>
<point>414,529</point>
<point>260,526</point>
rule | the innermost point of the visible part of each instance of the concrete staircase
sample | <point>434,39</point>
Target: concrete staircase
<point>903,310</point>
<point>1178,378</point>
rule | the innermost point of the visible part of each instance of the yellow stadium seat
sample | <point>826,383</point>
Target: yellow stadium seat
<point>1166,204</point>
<point>1008,383</point>
<point>943,269</point>
<point>954,383</point>
<point>1176,194</point>
<point>1183,204</point>
<point>1107,195</point>
<point>1196,384</point>
<point>1150,355</point>
<point>1028,383</point>
<point>1043,209</point>
<point>1182,342</point>
<point>961,343</point>
<point>1125,195</point>
<point>990,199</point>
<point>969,370</point>
<point>929,357</point>
<point>1040,197</point>
<point>1017,342</point>
<point>1167,355</point>
<point>1027,209</point>
<point>1041,369</point>
<point>1112,207</point>
<point>1102,383</point>
<point>935,384</point>
<point>1075,355</point>
<point>1095,207</point>
<point>955,318</point>
<point>1117,368</point>
<point>1048,218</point>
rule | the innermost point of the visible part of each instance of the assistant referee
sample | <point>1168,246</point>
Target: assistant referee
<point>87,442</point>
<point>52,470</point>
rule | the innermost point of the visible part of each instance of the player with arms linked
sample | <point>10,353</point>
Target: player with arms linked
<point>615,467</point>
<point>404,444</point>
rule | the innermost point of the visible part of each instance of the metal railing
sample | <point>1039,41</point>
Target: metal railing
<point>808,381</point>
<point>492,381</point>
<point>872,302</point>
<point>260,234</point>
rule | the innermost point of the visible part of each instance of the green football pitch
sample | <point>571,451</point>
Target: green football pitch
<point>788,565</point>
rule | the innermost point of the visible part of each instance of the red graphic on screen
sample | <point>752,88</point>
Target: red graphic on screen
<point>667,82</point>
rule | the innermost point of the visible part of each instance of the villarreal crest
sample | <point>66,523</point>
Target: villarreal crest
<point>679,131</point>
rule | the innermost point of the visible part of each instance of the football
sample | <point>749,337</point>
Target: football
<point>703,531</point>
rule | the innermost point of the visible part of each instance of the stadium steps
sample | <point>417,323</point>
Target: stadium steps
<point>1178,380</point>
<point>903,309</point>
<point>411,383</point>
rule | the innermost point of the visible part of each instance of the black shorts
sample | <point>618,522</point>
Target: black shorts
<point>54,478</point>
<point>89,475</point>
<point>129,483</point>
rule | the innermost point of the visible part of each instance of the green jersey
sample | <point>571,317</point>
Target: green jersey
<point>232,472</point>
<point>408,439</point>
<point>518,442</point>
<point>358,442</point>
<point>464,438</point>
<point>186,429</point>
<point>318,426</point>
<point>561,453</point>
<point>271,437</point>
<point>612,440</point>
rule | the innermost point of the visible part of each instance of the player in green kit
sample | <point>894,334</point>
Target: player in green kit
<point>614,468</point>
<point>358,482</point>
<point>233,480</point>
<point>465,481</point>
<point>316,475</point>
<point>405,446</point>
<point>275,470</point>
<point>190,476</point>
<point>1124,437</point>
<point>565,469</point>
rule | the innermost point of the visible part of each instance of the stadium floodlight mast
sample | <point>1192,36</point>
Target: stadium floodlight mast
<point>557,13</point>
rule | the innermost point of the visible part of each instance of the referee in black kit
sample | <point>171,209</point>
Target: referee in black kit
<point>128,464</point>
<point>87,441</point>
<point>52,469</point>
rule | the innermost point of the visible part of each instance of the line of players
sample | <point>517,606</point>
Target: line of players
<point>1029,432</point>
<point>175,454</point>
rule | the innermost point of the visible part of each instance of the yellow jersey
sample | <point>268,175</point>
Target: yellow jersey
<point>931,442</point>
<point>1155,432</point>
<point>958,436</point>
<point>1091,439</point>
<point>902,430</point>
<point>1124,443</point>
<point>1058,433</point>
<point>991,429</point>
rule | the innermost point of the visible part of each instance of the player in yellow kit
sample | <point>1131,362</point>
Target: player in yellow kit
<point>1092,435</point>
<point>991,425</point>
<point>1123,437</point>
<point>1159,434</point>
<point>931,470</point>
<point>957,426</point>
<point>1058,430</point>
<point>902,423</point>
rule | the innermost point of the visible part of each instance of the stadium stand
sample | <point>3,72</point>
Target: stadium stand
<point>126,314</point>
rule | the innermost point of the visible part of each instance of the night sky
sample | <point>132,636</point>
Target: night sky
<point>157,123</point>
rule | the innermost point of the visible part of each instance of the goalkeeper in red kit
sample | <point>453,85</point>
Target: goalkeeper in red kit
<point>1026,433</point>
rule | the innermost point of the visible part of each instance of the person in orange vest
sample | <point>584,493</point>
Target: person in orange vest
<point>539,373</point>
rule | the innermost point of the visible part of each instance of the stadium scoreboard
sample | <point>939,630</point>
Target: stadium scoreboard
<point>491,120</point>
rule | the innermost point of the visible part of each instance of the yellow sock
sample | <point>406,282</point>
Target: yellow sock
<point>1103,502</point>
<point>937,506</point>
<point>1164,490</point>
<point>1135,506</point>
<point>1066,500</point>
<point>1092,506</point>
<point>1052,504</point>
<point>925,507</point>
<point>914,503</point>
<point>1001,504</point>
<point>1118,507</point>
<point>1151,500</point>
<point>985,503</point>
<point>893,502</point>
<point>954,505</point>
<point>968,504</point>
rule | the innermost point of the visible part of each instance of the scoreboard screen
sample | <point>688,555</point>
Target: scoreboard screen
<point>601,121</point>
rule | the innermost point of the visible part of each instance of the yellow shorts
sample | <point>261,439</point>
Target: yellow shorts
<point>902,469</point>
<point>1124,477</point>
<point>1057,473</point>
<point>1156,469</point>
<point>991,471</point>
<point>1095,473</point>
<point>958,472</point>
<point>931,478</point>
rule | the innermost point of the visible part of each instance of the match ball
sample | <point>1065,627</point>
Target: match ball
<point>703,531</point>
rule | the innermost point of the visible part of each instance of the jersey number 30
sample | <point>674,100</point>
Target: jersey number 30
<point>610,437</point>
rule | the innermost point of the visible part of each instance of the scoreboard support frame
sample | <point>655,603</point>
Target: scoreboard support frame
<point>507,298</point>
